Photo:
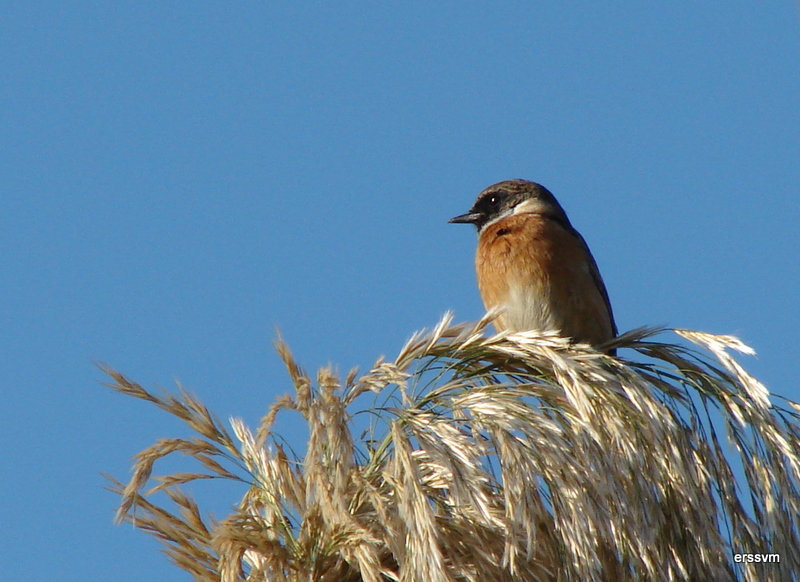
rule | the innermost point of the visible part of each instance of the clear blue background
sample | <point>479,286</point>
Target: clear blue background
<point>178,179</point>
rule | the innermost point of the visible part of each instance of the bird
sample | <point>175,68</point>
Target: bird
<point>532,263</point>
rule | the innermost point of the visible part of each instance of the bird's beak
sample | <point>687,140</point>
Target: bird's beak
<point>468,218</point>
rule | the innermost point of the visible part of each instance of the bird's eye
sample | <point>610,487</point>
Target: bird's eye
<point>490,203</point>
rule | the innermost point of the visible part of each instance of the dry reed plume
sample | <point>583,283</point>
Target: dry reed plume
<point>511,457</point>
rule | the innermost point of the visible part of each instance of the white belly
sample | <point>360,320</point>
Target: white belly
<point>526,310</point>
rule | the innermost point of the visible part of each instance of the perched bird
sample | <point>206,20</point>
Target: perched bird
<point>534,264</point>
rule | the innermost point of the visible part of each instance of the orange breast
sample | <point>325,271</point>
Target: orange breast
<point>541,273</point>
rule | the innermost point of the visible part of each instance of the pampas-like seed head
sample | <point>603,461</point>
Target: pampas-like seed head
<point>510,457</point>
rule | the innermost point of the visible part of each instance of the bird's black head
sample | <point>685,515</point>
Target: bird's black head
<point>512,197</point>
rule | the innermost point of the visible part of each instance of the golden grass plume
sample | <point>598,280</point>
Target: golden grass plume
<point>510,457</point>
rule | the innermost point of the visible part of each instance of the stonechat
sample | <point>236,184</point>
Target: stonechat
<point>534,264</point>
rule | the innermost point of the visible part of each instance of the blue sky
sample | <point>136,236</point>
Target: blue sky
<point>179,179</point>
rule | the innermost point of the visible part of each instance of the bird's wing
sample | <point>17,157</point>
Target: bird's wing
<point>598,281</point>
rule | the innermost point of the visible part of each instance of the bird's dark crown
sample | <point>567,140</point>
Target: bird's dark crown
<point>504,198</point>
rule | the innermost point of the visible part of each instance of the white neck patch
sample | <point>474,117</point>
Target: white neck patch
<point>530,206</point>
